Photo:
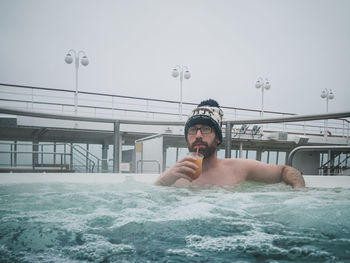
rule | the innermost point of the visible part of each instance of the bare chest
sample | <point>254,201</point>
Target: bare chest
<point>223,174</point>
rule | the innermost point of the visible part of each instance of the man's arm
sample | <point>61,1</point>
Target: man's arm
<point>292,176</point>
<point>261,172</point>
<point>184,168</point>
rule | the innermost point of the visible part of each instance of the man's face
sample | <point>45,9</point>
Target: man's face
<point>204,137</point>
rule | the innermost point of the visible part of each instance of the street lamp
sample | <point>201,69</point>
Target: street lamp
<point>263,84</point>
<point>328,95</point>
<point>77,57</point>
<point>184,73</point>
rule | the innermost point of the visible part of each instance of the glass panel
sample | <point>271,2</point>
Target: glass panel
<point>96,149</point>
<point>24,159</point>
<point>5,158</point>
<point>221,153</point>
<point>251,155</point>
<point>46,155</point>
<point>282,158</point>
<point>171,155</point>
<point>273,157</point>
<point>264,156</point>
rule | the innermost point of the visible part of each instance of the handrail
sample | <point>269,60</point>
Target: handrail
<point>345,160</point>
<point>90,161</point>
<point>329,161</point>
<point>36,144</point>
<point>38,152</point>
<point>323,116</point>
<point>80,151</point>
<point>136,98</point>
<point>316,148</point>
<point>83,118</point>
<point>309,117</point>
<point>91,107</point>
<point>98,103</point>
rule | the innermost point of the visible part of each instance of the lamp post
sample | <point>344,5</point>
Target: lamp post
<point>184,73</point>
<point>328,95</point>
<point>263,84</point>
<point>77,57</point>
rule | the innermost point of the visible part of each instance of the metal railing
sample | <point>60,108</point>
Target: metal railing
<point>117,122</point>
<point>61,101</point>
<point>62,166</point>
<point>31,98</point>
<point>76,158</point>
<point>329,166</point>
<point>90,164</point>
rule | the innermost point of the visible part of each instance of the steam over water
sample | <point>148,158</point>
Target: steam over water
<point>138,222</point>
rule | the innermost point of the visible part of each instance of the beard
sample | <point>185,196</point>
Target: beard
<point>207,151</point>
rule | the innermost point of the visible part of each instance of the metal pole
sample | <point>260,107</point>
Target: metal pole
<point>240,150</point>
<point>32,98</point>
<point>71,156</point>
<point>329,163</point>
<point>228,140</point>
<point>87,159</point>
<point>326,121</point>
<point>262,107</point>
<point>180,70</point>
<point>54,153</point>
<point>42,155</point>
<point>116,155</point>
<point>76,84</point>
<point>11,155</point>
<point>105,146</point>
<point>258,154</point>
<point>35,150</point>
<point>181,79</point>
<point>15,154</point>
<point>262,101</point>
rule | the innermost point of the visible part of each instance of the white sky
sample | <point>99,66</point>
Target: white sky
<point>302,46</point>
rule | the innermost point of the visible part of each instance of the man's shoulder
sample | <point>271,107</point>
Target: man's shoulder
<point>235,169</point>
<point>238,162</point>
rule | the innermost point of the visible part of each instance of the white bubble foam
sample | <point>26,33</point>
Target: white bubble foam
<point>98,251</point>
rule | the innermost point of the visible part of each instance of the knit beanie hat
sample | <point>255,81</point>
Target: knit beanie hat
<point>208,112</point>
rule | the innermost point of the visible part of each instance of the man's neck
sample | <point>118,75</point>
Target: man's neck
<point>210,161</point>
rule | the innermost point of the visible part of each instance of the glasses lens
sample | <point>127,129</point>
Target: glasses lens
<point>206,130</point>
<point>203,129</point>
<point>192,130</point>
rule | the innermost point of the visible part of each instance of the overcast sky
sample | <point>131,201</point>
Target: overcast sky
<point>302,46</point>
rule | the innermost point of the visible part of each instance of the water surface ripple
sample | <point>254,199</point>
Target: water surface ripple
<point>139,222</point>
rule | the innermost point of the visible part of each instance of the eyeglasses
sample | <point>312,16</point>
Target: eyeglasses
<point>204,130</point>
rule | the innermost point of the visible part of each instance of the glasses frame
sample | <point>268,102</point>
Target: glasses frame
<point>201,129</point>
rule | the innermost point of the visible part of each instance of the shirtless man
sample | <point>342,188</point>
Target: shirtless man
<point>203,130</point>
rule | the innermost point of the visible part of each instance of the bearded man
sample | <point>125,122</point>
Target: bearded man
<point>203,134</point>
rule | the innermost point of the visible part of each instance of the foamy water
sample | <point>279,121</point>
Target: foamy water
<point>132,221</point>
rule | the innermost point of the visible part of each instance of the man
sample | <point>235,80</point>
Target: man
<point>203,131</point>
